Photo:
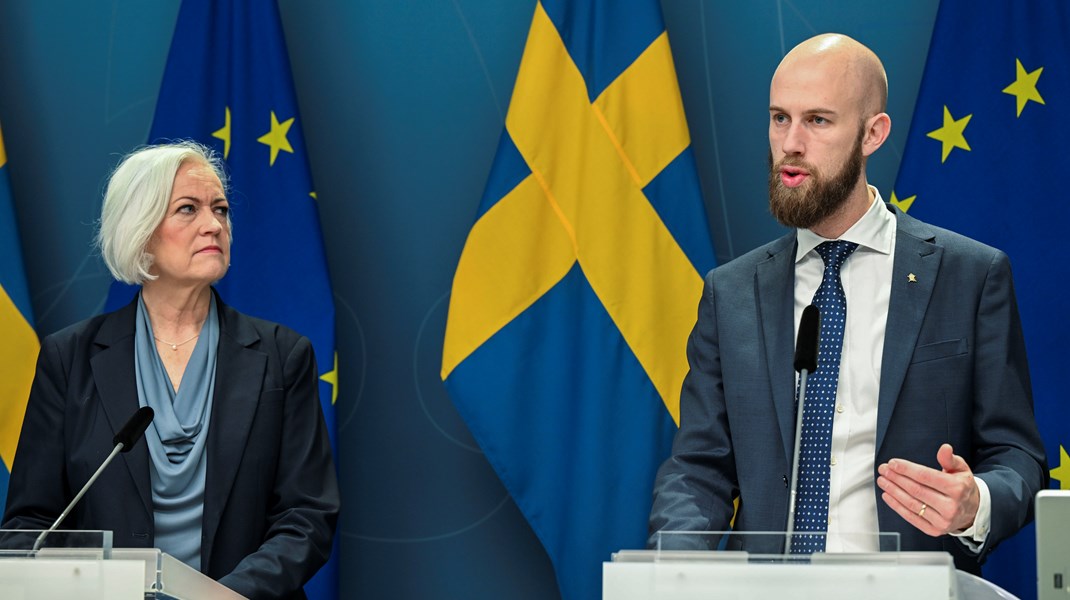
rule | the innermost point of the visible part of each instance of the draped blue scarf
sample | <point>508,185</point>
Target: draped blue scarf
<point>176,438</point>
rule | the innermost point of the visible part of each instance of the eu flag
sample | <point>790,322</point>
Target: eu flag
<point>983,158</point>
<point>576,288</point>
<point>18,341</point>
<point>228,84</point>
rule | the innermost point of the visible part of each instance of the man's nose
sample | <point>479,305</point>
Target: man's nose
<point>794,140</point>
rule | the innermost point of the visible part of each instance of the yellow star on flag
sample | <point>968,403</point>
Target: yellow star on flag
<point>1024,87</point>
<point>276,138</point>
<point>950,135</point>
<point>224,134</point>
<point>1062,472</point>
<point>904,204</point>
<point>331,377</point>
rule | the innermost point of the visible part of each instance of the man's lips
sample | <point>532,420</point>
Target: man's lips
<point>793,176</point>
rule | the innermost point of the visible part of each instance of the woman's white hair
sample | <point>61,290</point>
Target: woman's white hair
<point>136,200</point>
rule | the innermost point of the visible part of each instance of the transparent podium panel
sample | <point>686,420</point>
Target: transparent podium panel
<point>83,564</point>
<point>167,578</point>
<point>64,564</point>
<point>19,543</point>
<point>770,545</point>
<point>724,564</point>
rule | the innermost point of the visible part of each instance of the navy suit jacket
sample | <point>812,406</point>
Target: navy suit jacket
<point>271,492</point>
<point>954,370</point>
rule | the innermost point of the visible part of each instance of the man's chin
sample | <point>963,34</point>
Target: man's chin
<point>787,212</point>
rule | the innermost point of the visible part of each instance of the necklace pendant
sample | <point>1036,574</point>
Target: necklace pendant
<point>174,347</point>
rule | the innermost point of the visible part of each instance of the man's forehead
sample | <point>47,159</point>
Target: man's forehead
<point>816,84</point>
<point>824,66</point>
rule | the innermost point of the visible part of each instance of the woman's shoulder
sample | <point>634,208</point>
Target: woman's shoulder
<point>248,329</point>
<point>104,329</point>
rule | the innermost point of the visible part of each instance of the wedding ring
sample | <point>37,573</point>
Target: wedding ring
<point>921,513</point>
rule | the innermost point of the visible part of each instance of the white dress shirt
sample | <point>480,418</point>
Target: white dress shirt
<point>867,284</point>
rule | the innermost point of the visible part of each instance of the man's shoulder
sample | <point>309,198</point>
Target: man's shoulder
<point>744,264</point>
<point>949,241</point>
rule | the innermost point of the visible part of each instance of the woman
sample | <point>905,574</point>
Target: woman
<point>235,476</point>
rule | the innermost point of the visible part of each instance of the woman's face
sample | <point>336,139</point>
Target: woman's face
<point>192,243</point>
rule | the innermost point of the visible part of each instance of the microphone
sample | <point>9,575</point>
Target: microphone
<point>130,433</point>
<point>806,346</point>
<point>135,427</point>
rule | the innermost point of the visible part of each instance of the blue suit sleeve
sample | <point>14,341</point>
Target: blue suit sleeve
<point>695,487</point>
<point>1008,452</point>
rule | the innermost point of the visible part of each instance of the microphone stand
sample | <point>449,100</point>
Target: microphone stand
<point>41,538</point>
<point>806,350</point>
<point>130,433</point>
<point>803,373</point>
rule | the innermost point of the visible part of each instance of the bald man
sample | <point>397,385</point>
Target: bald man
<point>926,391</point>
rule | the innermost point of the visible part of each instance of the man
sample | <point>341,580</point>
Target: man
<point>922,385</point>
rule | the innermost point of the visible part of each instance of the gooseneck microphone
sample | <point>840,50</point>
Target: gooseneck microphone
<point>807,342</point>
<point>806,346</point>
<point>130,433</point>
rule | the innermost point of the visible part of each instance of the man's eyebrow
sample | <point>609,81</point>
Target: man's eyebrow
<point>812,111</point>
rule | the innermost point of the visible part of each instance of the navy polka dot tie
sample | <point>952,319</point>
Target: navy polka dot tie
<point>812,501</point>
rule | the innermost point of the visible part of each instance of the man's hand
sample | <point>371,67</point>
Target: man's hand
<point>936,502</point>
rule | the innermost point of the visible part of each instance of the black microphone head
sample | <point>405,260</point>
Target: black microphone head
<point>806,344</point>
<point>134,428</point>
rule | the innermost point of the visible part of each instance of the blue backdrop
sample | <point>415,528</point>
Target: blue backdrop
<point>403,104</point>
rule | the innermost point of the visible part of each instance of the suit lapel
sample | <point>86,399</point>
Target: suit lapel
<point>774,287</point>
<point>916,264</point>
<point>239,377</point>
<point>112,364</point>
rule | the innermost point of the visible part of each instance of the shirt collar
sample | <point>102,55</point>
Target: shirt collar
<point>875,230</point>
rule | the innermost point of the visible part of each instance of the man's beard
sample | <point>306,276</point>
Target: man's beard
<point>805,206</point>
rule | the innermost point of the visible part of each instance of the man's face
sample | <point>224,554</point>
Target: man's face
<point>821,195</point>
<point>815,141</point>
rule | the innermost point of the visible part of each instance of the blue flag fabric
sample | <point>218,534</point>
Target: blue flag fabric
<point>577,286</point>
<point>982,158</point>
<point>228,84</point>
<point>19,345</point>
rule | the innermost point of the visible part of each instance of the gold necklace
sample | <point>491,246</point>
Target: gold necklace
<point>174,346</point>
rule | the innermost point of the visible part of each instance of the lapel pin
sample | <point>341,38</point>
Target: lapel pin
<point>911,278</point>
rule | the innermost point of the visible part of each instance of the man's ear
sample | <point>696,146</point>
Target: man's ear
<point>877,129</point>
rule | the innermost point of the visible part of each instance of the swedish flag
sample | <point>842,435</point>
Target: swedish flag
<point>18,342</point>
<point>983,158</point>
<point>228,84</point>
<point>577,286</point>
